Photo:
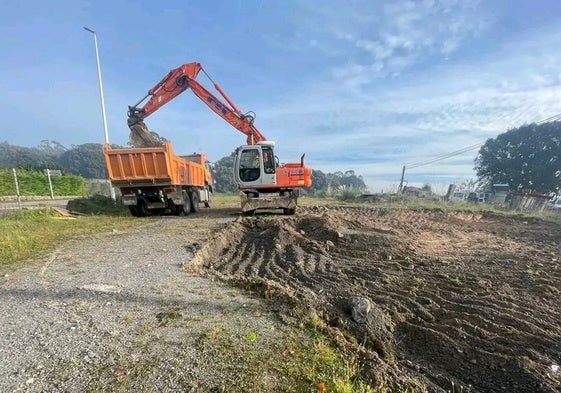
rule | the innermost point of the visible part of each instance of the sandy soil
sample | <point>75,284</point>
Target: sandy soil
<point>464,302</point>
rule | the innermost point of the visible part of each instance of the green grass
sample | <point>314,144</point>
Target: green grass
<point>98,204</point>
<point>226,200</point>
<point>250,362</point>
<point>315,360</point>
<point>27,234</point>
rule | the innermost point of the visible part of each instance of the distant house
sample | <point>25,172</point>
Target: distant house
<point>412,191</point>
<point>500,193</point>
<point>528,200</point>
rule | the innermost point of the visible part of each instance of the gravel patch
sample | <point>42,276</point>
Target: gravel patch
<point>117,312</point>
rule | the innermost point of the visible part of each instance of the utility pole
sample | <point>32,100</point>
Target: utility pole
<point>400,188</point>
<point>17,188</point>
<point>111,189</point>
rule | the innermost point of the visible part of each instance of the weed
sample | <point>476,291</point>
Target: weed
<point>98,204</point>
<point>317,361</point>
<point>127,320</point>
<point>457,282</point>
<point>168,317</point>
<point>28,233</point>
<point>251,336</point>
<point>533,272</point>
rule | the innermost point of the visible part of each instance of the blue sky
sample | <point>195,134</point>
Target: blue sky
<point>360,85</point>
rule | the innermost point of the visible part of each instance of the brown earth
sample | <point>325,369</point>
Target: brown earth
<point>464,302</point>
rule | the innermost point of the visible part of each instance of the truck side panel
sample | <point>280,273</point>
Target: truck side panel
<point>151,166</point>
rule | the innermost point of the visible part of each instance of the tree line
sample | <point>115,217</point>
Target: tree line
<point>527,157</point>
<point>87,160</point>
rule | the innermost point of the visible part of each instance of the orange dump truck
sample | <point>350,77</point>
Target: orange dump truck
<point>153,180</point>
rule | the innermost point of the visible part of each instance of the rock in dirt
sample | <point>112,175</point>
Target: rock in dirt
<point>360,307</point>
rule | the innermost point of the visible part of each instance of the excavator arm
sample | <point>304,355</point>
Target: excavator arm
<point>176,82</point>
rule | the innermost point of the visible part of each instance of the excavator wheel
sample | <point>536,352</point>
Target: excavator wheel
<point>194,201</point>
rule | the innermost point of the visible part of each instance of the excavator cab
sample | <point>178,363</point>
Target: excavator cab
<point>255,165</point>
<point>257,172</point>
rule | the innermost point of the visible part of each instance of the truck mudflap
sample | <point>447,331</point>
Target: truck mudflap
<point>286,202</point>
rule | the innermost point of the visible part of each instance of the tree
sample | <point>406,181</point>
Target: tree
<point>353,182</point>
<point>223,174</point>
<point>52,149</point>
<point>20,156</point>
<point>526,157</point>
<point>224,178</point>
<point>86,160</point>
<point>319,181</point>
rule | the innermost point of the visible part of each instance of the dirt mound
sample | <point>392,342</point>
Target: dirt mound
<point>458,300</point>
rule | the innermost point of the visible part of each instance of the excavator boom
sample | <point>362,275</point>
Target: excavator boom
<point>176,82</point>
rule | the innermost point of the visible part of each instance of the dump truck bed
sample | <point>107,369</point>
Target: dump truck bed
<point>151,166</point>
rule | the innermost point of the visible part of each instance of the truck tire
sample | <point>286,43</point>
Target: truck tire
<point>186,204</point>
<point>176,210</point>
<point>134,210</point>
<point>142,210</point>
<point>210,197</point>
<point>194,201</point>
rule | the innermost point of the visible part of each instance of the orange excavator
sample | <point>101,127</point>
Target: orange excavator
<point>263,182</point>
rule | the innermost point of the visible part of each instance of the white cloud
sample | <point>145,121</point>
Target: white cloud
<point>361,121</point>
<point>389,38</point>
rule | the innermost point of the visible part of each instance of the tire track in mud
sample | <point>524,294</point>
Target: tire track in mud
<point>458,299</point>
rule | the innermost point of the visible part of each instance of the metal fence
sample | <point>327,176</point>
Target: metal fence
<point>15,194</point>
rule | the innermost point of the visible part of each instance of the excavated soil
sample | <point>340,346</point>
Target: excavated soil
<point>463,302</point>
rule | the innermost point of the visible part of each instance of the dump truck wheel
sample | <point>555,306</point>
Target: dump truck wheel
<point>194,201</point>
<point>210,197</point>
<point>133,210</point>
<point>186,204</point>
<point>176,210</point>
<point>142,210</point>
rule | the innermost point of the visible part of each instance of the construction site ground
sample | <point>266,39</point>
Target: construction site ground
<point>459,301</point>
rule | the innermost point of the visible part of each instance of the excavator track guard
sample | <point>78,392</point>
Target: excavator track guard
<point>257,201</point>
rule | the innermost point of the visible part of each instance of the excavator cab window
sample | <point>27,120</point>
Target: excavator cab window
<point>268,160</point>
<point>249,165</point>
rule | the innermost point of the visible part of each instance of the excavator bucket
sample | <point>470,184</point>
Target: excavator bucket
<point>267,201</point>
<point>140,136</point>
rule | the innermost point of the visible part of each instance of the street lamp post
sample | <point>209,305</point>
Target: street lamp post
<point>111,189</point>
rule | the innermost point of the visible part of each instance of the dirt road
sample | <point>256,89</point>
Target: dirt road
<point>463,302</point>
<point>118,312</point>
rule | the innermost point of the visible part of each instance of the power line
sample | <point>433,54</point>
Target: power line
<point>443,156</point>
<point>466,149</point>
<point>550,119</point>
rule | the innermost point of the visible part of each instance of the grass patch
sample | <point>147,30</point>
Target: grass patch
<point>98,204</point>
<point>304,360</point>
<point>169,317</point>
<point>25,234</point>
<point>226,200</point>
<point>314,361</point>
